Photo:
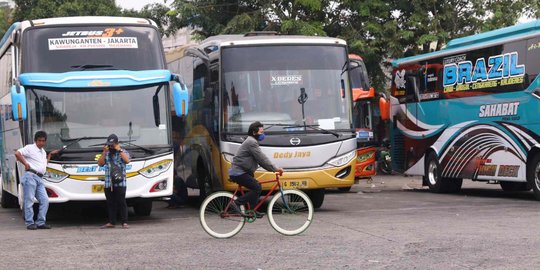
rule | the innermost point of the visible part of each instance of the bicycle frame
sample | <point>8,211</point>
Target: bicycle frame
<point>240,190</point>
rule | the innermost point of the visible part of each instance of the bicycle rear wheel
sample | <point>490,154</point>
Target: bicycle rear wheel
<point>215,220</point>
<point>290,212</point>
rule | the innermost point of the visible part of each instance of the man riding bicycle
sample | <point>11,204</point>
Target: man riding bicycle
<point>245,163</point>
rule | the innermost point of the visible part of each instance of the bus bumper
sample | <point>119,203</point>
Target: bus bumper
<point>335,177</point>
<point>137,187</point>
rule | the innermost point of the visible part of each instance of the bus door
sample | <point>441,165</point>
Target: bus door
<point>424,87</point>
<point>404,148</point>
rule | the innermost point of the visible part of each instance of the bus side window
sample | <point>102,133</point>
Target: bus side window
<point>532,60</point>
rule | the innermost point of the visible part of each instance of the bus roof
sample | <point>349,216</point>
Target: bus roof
<point>490,38</point>
<point>232,40</point>
<point>87,20</point>
<point>212,44</point>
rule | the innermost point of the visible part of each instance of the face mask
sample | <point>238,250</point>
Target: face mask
<point>260,137</point>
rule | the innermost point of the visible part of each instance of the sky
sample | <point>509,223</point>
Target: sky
<point>137,4</point>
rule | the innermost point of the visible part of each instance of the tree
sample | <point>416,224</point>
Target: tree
<point>213,17</point>
<point>38,9</point>
<point>5,19</point>
<point>155,12</point>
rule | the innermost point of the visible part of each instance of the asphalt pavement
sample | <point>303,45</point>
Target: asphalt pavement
<point>391,222</point>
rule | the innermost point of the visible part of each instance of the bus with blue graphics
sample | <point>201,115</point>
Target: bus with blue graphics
<point>297,86</point>
<point>80,79</point>
<point>470,111</point>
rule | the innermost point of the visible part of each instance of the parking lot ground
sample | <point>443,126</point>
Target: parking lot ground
<point>391,222</point>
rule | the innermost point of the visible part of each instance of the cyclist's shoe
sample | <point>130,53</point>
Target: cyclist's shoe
<point>259,214</point>
<point>238,208</point>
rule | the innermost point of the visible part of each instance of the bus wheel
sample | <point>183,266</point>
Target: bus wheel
<point>8,200</point>
<point>205,185</point>
<point>514,186</point>
<point>143,208</point>
<point>533,176</point>
<point>437,183</point>
<point>316,196</point>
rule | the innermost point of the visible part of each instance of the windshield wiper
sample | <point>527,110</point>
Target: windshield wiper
<point>315,127</point>
<point>91,66</point>
<point>149,151</point>
<point>76,140</point>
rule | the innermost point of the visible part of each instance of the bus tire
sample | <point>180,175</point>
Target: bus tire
<point>143,208</point>
<point>205,184</point>
<point>8,200</point>
<point>436,183</point>
<point>316,196</point>
<point>533,177</point>
<point>455,184</point>
<point>514,186</point>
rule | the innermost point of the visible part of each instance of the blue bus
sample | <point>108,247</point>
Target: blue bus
<point>470,111</point>
<point>81,79</point>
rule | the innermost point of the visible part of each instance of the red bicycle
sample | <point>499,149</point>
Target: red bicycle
<point>290,211</point>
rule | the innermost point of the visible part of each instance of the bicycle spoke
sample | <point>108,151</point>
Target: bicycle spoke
<point>290,213</point>
<point>218,222</point>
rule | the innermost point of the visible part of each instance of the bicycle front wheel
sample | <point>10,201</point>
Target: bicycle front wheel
<point>290,212</point>
<point>217,218</point>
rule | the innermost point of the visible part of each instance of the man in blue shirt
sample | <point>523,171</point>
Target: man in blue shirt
<point>114,160</point>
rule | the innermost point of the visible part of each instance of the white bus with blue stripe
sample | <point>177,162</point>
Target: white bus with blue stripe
<point>470,111</point>
<point>80,79</point>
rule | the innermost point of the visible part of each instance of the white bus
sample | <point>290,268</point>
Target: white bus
<point>80,79</point>
<point>297,86</point>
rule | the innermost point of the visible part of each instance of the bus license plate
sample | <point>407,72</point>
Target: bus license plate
<point>98,188</point>
<point>295,184</point>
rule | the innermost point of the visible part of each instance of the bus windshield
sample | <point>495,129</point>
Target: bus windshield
<point>70,115</point>
<point>285,84</point>
<point>96,47</point>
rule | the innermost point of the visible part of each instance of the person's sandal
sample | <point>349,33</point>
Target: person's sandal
<point>107,226</point>
<point>125,226</point>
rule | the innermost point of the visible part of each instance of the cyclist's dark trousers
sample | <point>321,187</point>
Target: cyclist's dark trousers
<point>116,202</point>
<point>252,196</point>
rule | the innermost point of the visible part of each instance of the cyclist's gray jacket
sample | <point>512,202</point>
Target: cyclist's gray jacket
<point>249,157</point>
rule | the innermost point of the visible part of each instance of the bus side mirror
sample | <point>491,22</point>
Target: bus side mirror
<point>18,102</point>
<point>181,99</point>
<point>384,107</point>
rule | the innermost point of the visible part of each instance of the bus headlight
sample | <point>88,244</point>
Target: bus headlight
<point>156,168</point>
<point>365,156</point>
<point>343,159</point>
<point>54,176</point>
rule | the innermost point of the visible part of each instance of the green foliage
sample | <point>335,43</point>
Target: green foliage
<point>155,12</point>
<point>5,20</point>
<point>38,9</point>
<point>294,27</point>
